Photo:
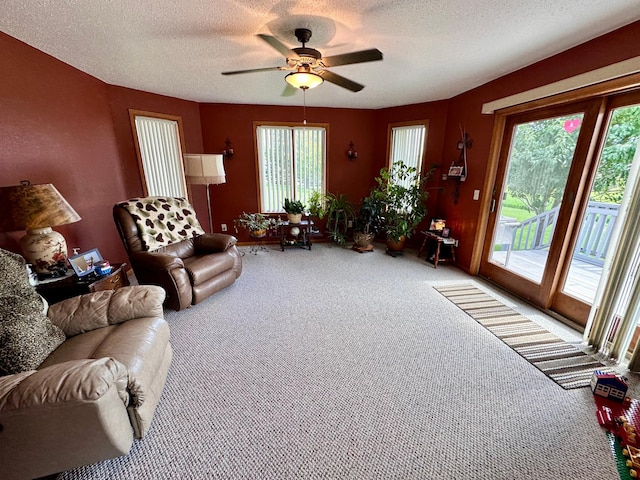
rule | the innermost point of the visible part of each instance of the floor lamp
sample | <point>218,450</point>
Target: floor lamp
<point>205,169</point>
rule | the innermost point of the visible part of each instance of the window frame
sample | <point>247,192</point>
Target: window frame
<point>412,123</point>
<point>291,125</point>
<point>133,114</point>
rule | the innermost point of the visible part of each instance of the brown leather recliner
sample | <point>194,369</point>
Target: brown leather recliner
<point>167,247</point>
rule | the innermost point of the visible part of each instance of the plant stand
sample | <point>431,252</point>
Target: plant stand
<point>258,245</point>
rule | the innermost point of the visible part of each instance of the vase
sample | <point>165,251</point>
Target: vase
<point>294,217</point>
<point>258,233</point>
<point>363,240</point>
<point>394,245</point>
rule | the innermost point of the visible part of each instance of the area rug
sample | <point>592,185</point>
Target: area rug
<point>561,361</point>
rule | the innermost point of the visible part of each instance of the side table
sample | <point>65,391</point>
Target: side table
<point>295,234</point>
<point>435,251</point>
<point>58,289</point>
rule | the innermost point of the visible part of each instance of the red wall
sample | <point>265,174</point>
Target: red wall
<point>436,114</point>
<point>56,127</point>
<point>353,178</point>
<point>121,100</point>
<point>465,109</point>
<point>63,126</point>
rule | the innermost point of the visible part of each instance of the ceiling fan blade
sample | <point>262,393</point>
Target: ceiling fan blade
<point>353,57</point>
<point>340,81</point>
<point>278,45</point>
<point>289,91</point>
<point>267,69</point>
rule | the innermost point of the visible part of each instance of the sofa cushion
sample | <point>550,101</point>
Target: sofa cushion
<point>162,221</point>
<point>26,340</point>
<point>27,336</point>
<point>205,267</point>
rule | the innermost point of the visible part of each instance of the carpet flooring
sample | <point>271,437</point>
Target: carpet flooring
<point>562,362</point>
<point>331,364</point>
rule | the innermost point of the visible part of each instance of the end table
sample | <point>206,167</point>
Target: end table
<point>58,289</point>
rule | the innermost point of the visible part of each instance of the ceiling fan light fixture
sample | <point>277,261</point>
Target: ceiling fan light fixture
<point>304,80</point>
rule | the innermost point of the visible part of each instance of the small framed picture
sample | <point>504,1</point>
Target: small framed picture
<point>456,170</point>
<point>85,263</point>
<point>445,232</point>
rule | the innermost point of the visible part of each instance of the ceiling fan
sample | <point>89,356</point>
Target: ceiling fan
<point>307,65</point>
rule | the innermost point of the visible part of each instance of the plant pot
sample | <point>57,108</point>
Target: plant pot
<point>258,233</point>
<point>294,217</point>
<point>363,240</point>
<point>396,245</point>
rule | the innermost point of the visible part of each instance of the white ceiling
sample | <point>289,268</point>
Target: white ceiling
<point>433,49</point>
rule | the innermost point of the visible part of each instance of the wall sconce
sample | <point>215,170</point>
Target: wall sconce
<point>352,153</point>
<point>228,150</point>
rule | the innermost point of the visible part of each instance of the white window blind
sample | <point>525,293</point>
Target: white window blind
<point>161,156</point>
<point>291,164</point>
<point>407,146</point>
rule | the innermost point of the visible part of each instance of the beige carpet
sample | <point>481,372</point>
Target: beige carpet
<point>562,362</point>
<point>331,364</point>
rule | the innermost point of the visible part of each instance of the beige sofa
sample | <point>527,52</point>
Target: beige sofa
<point>95,392</point>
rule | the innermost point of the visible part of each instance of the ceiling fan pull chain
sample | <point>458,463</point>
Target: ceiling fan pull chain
<point>304,106</point>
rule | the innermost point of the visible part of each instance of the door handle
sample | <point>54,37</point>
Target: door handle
<point>492,208</point>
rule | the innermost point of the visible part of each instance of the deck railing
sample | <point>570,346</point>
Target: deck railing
<point>536,232</point>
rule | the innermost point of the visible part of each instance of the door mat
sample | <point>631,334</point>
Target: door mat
<point>561,361</point>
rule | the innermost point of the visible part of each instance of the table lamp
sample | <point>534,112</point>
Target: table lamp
<point>37,208</point>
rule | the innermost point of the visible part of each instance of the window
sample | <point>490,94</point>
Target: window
<point>159,145</point>
<point>407,145</point>
<point>291,163</point>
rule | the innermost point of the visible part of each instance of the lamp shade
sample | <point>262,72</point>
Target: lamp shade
<point>34,206</point>
<point>37,208</point>
<point>304,79</point>
<point>204,169</point>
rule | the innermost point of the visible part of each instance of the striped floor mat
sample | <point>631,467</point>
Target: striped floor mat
<point>562,362</point>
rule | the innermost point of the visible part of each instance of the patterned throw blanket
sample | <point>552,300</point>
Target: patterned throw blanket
<point>163,220</point>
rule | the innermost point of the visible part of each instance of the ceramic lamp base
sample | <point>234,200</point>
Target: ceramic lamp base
<point>46,250</point>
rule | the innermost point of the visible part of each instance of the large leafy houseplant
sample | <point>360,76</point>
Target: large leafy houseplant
<point>337,209</point>
<point>402,193</point>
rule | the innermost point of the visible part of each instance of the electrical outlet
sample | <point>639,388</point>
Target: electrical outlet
<point>224,227</point>
<point>350,223</point>
<point>476,194</point>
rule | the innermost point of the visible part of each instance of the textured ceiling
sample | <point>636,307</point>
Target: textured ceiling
<point>433,49</point>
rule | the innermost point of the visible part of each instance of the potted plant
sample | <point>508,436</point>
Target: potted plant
<point>368,223</point>
<point>401,191</point>
<point>256,223</point>
<point>340,214</point>
<point>294,209</point>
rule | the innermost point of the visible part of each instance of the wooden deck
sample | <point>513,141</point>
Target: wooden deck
<point>582,281</point>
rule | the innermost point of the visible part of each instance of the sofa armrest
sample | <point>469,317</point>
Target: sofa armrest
<point>160,262</point>
<point>73,381</point>
<point>81,314</point>
<point>63,416</point>
<point>213,242</point>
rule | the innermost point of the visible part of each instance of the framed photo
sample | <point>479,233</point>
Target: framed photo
<point>437,224</point>
<point>85,263</point>
<point>445,232</point>
<point>456,170</point>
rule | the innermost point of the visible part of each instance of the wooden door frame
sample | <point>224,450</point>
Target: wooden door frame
<point>540,293</point>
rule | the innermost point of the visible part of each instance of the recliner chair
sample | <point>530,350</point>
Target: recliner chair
<point>167,247</point>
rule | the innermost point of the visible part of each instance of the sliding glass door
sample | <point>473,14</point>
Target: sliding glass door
<point>561,176</point>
